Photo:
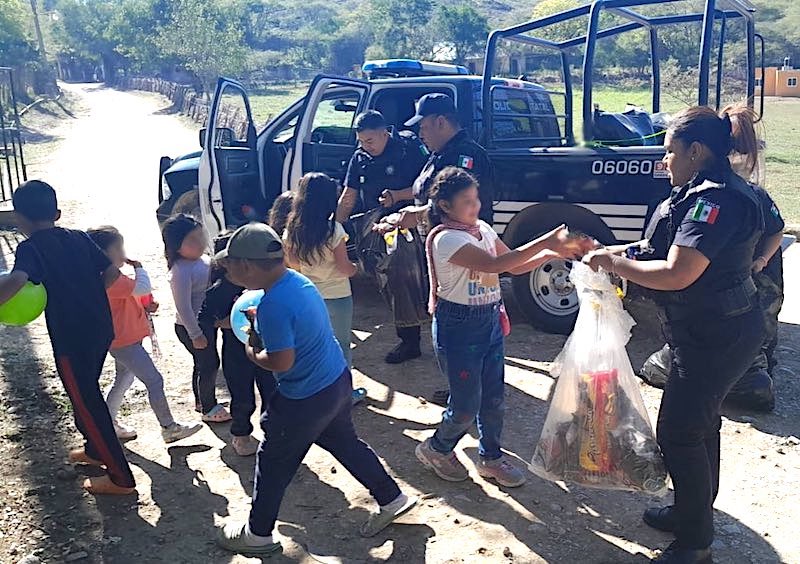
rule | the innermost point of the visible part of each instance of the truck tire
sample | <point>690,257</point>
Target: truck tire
<point>546,295</point>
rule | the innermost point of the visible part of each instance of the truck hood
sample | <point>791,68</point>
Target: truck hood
<point>185,162</point>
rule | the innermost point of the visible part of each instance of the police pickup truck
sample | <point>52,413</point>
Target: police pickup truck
<point>606,186</point>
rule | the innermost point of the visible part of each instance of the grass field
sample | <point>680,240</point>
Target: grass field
<point>781,122</point>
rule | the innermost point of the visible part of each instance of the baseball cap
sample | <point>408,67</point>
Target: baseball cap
<point>432,105</point>
<point>254,241</point>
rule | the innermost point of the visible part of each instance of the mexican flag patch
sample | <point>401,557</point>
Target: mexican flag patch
<point>466,162</point>
<point>705,212</point>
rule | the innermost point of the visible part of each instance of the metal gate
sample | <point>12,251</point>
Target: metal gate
<point>12,162</point>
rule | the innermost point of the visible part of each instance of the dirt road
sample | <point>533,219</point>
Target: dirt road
<point>105,171</point>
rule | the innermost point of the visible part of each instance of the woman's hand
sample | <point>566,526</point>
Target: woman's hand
<point>134,263</point>
<point>152,307</point>
<point>759,264</point>
<point>600,258</point>
<point>200,342</point>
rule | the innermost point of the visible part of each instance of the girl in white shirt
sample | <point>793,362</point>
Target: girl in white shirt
<point>316,246</point>
<point>465,260</point>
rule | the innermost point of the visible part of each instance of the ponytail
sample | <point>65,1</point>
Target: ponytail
<point>747,141</point>
<point>731,134</point>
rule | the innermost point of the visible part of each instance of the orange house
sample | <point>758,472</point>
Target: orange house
<point>779,81</point>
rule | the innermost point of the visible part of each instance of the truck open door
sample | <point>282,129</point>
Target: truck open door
<point>324,138</point>
<point>229,181</point>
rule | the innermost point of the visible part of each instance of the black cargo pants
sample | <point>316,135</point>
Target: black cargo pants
<point>710,355</point>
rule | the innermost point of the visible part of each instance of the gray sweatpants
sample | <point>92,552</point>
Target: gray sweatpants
<point>131,361</point>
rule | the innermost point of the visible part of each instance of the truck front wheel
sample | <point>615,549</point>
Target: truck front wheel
<point>547,295</point>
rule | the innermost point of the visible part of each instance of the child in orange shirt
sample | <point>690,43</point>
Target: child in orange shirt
<point>130,328</point>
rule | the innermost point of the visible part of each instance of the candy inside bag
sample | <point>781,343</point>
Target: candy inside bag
<point>597,432</point>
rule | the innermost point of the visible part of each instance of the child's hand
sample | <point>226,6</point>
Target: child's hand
<point>200,342</point>
<point>134,263</point>
<point>152,307</point>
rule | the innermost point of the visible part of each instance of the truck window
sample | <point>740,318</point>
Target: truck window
<point>231,119</point>
<point>523,115</point>
<point>333,118</point>
<point>397,103</point>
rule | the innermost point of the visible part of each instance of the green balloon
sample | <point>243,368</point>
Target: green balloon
<point>25,306</point>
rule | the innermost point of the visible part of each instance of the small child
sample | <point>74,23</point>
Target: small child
<point>316,247</point>
<point>279,213</point>
<point>185,250</point>
<point>312,403</point>
<point>465,259</point>
<point>75,273</point>
<point>240,374</point>
<point>131,326</point>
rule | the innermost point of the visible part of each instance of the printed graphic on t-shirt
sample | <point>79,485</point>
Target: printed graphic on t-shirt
<point>483,288</point>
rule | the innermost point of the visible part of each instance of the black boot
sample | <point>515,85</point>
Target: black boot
<point>675,554</point>
<point>661,518</point>
<point>408,349</point>
<point>754,391</point>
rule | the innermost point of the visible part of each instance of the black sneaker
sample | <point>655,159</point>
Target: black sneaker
<point>403,352</point>
<point>661,518</point>
<point>675,554</point>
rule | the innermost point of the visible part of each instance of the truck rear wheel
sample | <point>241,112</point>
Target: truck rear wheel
<point>547,295</point>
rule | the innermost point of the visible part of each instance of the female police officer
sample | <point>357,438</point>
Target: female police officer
<point>697,256</point>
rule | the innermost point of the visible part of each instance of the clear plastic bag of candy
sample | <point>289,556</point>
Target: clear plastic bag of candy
<point>597,432</point>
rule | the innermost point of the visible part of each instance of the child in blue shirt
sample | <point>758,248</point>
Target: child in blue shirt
<point>312,404</point>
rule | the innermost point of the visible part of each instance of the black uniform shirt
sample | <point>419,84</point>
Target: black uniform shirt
<point>463,152</point>
<point>71,266</point>
<point>394,169</point>
<point>721,219</point>
<point>773,224</point>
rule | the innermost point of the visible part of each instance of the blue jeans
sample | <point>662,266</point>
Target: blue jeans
<point>340,311</point>
<point>468,343</point>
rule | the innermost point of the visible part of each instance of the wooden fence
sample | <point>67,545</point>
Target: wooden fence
<point>185,100</point>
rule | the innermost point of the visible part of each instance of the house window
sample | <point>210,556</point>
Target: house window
<point>791,82</point>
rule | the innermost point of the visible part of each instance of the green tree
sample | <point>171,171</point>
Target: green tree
<point>401,28</point>
<point>206,38</point>
<point>462,29</point>
<point>16,44</point>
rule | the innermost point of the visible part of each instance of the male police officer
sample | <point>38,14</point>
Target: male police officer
<point>381,173</point>
<point>441,131</point>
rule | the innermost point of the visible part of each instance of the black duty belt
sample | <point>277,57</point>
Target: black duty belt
<point>723,303</point>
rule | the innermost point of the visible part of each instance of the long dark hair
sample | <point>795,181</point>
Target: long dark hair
<point>447,184</point>
<point>174,231</point>
<point>730,132</point>
<point>311,226</point>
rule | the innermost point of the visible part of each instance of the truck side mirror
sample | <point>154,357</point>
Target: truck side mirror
<point>203,137</point>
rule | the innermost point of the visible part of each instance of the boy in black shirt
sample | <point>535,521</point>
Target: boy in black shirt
<point>241,375</point>
<point>75,273</point>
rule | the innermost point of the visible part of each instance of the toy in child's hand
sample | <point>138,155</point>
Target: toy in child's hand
<point>240,324</point>
<point>25,306</point>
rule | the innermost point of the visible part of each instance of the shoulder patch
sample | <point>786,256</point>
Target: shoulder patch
<point>705,211</point>
<point>423,149</point>
<point>775,211</point>
<point>465,161</point>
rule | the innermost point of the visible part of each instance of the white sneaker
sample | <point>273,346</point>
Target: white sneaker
<point>123,432</point>
<point>178,431</point>
<point>245,446</point>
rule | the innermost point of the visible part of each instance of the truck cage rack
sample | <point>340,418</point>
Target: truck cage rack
<point>715,10</point>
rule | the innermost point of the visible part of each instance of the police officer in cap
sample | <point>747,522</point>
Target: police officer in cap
<point>380,175</point>
<point>698,258</point>
<point>450,145</point>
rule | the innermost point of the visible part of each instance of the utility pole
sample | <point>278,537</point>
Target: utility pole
<point>38,29</point>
